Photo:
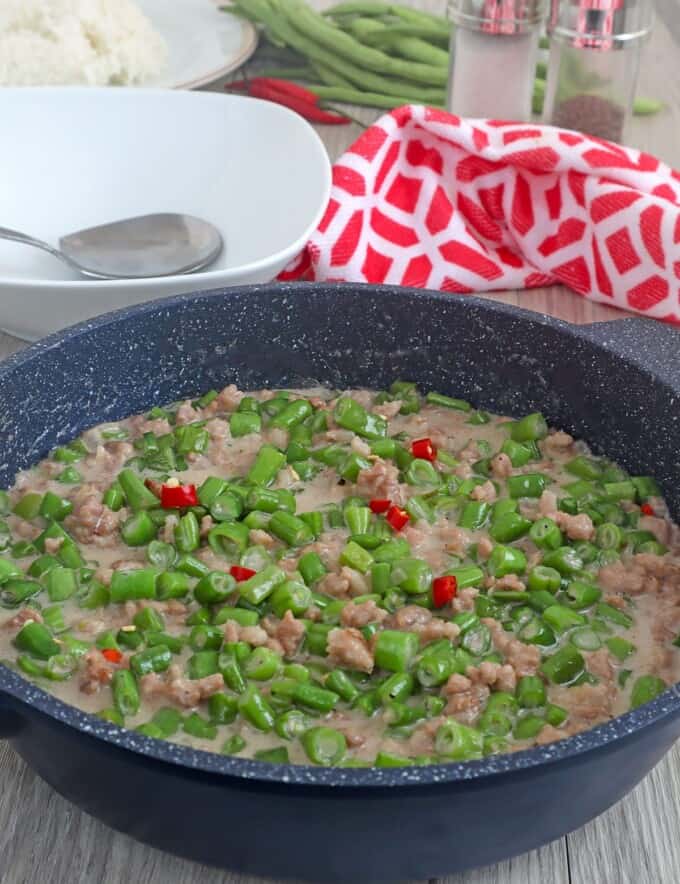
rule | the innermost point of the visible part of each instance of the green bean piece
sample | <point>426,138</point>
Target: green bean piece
<point>214,588</point>
<point>564,666</point>
<point>395,650</point>
<point>277,755</point>
<point>256,710</point>
<point>530,692</point>
<point>475,515</point>
<point>167,720</point>
<point>196,726</point>
<point>259,587</point>
<point>506,560</point>
<point>555,715</point>
<point>292,414</point>
<point>291,596</point>
<point>529,429</point>
<point>137,584</point>
<point>53,618</point>
<point>228,539</point>
<point>93,595</point>
<point>519,454</point>
<point>54,507</point>
<point>544,578</point>
<point>139,529</point>
<point>187,533</point>
<point>350,415</point>
<point>458,742</point>
<point>291,724</point>
<point>582,595</point>
<point>620,647</point>
<point>561,618</point>
<point>290,529</point>
<point>528,727</point>
<point>206,638</point>
<point>262,664</point>
<point>154,659</point>
<point>112,715</point>
<point>421,472</point>
<point>36,639</point>
<point>125,692</point>
<point>233,745</point>
<point>202,664</point>
<point>509,527</point>
<point>527,485</point>
<point>645,487</point>
<point>447,402</point>
<point>645,689</point>
<point>242,423</point>
<point>61,583</point>
<point>28,507</point>
<point>228,664</point>
<point>614,615</point>
<point>240,615</point>
<point>565,559</point>
<point>136,493</point>
<point>267,464</point>
<point>129,637</point>
<point>172,585</point>
<point>340,683</point>
<point>226,507</point>
<point>315,698</point>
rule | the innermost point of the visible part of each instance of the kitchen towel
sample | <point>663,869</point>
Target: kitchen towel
<point>427,199</point>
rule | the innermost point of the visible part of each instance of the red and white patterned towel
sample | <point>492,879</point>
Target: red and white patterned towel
<point>427,199</point>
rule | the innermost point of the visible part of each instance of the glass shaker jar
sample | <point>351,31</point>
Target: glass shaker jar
<point>493,57</point>
<point>594,61</point>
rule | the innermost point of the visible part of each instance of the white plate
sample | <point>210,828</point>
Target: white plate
<point>204,44</point>
<point>75,157</point>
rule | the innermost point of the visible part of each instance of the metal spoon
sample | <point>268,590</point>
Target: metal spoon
<point>149,245</point>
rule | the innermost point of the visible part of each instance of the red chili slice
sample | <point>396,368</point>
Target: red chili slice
<point>239,573</point>
<point>424,449</point>
<point>444,590</point>
<point>178,496</point>
<point>397,517</point>
<point>113,655</point>
<point>646,509</point>
<point>379,505</point>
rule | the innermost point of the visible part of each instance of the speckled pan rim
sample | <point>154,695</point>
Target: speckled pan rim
<point>17,687</point>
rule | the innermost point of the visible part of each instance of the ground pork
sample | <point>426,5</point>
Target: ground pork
<point>464,600</point>
<point>578,527</point>
<point>389,410</point>
<point>485,492</point>
<point>501,466</point>
<point>227,399</point>
<point>184,692</point>
<point>91,522</point>
<point>524,659</point>
<point>186,414</point>
<point>557,443</point>
<point>362,613</point>
<point>288,632</point>
<point>380,480</point>
<point>25,615</point>
<point>499,675</point>
<point>349,649</point>
<point>97,670</point>
<point>465,699</point>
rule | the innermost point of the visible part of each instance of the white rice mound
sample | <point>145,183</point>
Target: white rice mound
<point>77,42</point>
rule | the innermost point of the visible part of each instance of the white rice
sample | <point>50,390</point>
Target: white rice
<point>69,42</point>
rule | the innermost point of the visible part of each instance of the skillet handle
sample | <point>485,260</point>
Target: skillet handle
<point>651,344</point>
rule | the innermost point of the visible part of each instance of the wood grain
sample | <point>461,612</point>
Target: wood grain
<point>43,838</point>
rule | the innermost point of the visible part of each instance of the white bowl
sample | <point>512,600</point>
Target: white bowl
<point>75,157</point>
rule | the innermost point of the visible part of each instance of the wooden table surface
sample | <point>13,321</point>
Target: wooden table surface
<point>45,839</point>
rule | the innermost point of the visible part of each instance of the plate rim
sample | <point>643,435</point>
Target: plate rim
<point>249,45</point>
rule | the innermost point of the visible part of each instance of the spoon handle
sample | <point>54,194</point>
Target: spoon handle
<point>25,239</point>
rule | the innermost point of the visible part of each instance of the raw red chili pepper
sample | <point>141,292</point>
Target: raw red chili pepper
<point>397,517</point>
<point>424,449</point>
<point>178,496</point>
<point>646,509</point>
<point>239,573</point>
<point>113,655</point>
<point>259,88</point>
<point>378,505</point>
<point>277,85</point>
<point>444,590</point>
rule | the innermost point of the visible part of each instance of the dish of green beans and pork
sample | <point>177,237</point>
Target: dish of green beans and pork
<point>356,578</point>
